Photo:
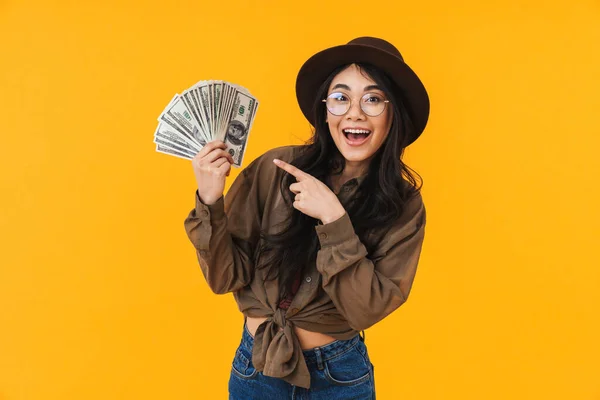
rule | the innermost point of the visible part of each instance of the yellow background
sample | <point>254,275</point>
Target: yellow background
<point>100,293</point>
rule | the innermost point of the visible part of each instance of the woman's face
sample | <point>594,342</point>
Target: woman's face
<point>357,135</point>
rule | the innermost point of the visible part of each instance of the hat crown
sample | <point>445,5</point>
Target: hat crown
<point>377,43</point>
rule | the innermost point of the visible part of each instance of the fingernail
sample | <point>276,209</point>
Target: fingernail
<point>276,161</point>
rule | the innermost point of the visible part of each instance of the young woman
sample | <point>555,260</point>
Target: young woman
<point>318,242</point>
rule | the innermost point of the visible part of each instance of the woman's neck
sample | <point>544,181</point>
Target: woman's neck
<point>351,170</point>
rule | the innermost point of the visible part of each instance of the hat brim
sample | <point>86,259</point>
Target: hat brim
<point>318,68</point>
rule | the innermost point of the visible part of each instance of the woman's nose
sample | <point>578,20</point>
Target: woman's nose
<point>355,112</point>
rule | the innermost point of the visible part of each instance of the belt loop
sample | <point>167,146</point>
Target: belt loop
<point>320,363</point>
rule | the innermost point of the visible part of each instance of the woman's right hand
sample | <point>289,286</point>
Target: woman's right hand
<point>211,166</point>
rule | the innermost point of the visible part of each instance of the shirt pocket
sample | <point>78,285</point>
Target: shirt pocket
<point>349,368</point>
<point>242,364</point>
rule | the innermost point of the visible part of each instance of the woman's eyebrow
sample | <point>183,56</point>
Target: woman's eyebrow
<point>346,87</point>
<point>341,86</point>
<point>372,87</point>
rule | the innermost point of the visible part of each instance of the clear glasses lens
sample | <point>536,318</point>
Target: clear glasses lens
<point>372,104</point>
<point>338,103</point>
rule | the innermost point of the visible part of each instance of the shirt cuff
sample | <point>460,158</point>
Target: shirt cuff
<point>210,212</point>
<point>336,232</point>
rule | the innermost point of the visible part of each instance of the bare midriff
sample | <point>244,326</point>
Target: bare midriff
<point>308,340</point>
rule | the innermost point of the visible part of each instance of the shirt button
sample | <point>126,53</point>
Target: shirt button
<point>204,213</point>
<point>294,310</point>
<point>323,235</point>
<point>308,279</point>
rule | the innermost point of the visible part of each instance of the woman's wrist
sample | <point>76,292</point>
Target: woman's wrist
<point>208,200</point>
<point>333,216</point>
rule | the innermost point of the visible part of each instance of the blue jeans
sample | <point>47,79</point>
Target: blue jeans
<point>340,370</point>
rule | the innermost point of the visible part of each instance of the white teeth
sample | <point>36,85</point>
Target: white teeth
<point>357,131</point>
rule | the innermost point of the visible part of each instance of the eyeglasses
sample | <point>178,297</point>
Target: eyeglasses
<point>372,104</point>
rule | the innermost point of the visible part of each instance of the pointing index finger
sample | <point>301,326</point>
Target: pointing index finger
<point>299,174</point>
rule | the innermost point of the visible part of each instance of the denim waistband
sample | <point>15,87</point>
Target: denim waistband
<point>327,352</point>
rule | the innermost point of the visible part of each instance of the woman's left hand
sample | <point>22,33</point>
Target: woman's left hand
<point>313,197</point>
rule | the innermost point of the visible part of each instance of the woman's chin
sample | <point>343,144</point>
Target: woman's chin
<point>355,155</point>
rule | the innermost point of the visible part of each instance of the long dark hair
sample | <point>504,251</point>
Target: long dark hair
<point>379,200</point>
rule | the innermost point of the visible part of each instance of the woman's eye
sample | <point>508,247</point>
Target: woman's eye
<point>339,97</point>
<point>373,99</point>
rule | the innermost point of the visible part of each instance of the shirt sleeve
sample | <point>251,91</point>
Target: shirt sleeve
<point>366,290</point>
<point>225,233</point>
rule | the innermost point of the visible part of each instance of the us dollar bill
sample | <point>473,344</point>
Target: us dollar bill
<point>166,144</point>
<point>203,100</point>
<point>239,123</point>
<point>167,150</point>
<point>178,116</point>
<point>195,95</point>
<point>168,136</point>
<point>188,99</point>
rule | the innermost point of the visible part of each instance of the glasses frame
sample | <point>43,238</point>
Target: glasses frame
<point>350,105</point>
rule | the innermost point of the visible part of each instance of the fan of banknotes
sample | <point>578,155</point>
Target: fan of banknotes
<point>207,111</point>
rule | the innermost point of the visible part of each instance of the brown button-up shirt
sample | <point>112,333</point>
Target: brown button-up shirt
<point>345,291</point>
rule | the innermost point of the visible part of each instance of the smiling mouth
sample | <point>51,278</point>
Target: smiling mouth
<point>356,135</point>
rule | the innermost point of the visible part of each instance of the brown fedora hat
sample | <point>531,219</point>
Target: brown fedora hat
<point>368,50</point>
